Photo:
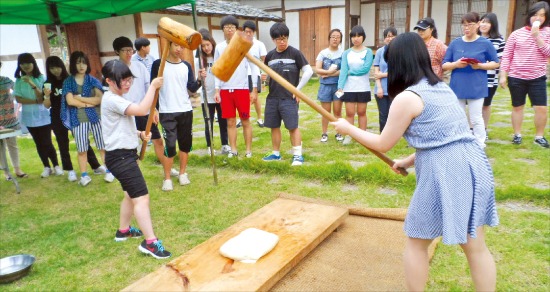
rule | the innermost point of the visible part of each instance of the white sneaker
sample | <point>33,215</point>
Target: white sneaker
<point>232,154</point>
<point>58,170</point>
<point>248,155</point>
<point>208,151</point>
<point>85,180</point>
<point>46,172</point>
<point>347,140</point>
<point>167,185</point>
<point>184,180</point>
<point>109,177</point>
<point>72,176</point>
<point>226,149</point>
<point>100,170</point>
<point>174,172</point>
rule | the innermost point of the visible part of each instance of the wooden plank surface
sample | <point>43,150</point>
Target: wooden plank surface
<point>301,226</point>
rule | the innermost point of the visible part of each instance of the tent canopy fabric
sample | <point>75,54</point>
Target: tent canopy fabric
<point>71,11</point>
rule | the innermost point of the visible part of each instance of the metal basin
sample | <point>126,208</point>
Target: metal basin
<point>15,267</point>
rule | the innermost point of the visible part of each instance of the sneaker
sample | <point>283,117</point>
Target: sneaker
<point>72,176</point>
<point>324,138</point>
<point>517,140</point>
<point>542,142</point>
<point>184,179</point>
<point>347,140</point>
<point>486,138</point>
<point>46,172</point>
<point>271,157</point>
<point>174,172</point>
<point>225,149</point>
<point>339,137</point>
<point>260,123</point>
<point>85,180</point>
<point>58,170</point>
<point>167,185</point>
<point>239,124</point>
<point>208,151</point>
<point>109,177</point>
<point>232,155</point>
<point>155,249</point>
<point>100,170</point>
<point>248,155</point>
<point>133,232</point>
<point>297,160</point>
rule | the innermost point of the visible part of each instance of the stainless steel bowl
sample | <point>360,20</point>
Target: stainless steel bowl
<point>15,267</point>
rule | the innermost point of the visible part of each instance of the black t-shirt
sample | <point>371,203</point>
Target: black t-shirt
<point>287,64</point>
<point>55,98</point>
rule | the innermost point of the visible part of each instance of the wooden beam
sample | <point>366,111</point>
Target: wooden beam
<point>420,9</point>
<point>408,17</point>
<point>346,26</point>
<point>138,25</point>
<point>429,8</point>
<point>44,43</point>
<point>449,21</point>
<point>511,18</point>
<point>283,10</point>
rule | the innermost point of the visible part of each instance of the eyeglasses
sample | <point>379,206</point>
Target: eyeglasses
<point>281,39</point>
<point>469,25</point>
<point>335,38</point>
<point>127,51</point>
<point>127,81</point>
<point>229,27</point>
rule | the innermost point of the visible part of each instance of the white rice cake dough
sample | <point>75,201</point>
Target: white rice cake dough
<point>249,246</point>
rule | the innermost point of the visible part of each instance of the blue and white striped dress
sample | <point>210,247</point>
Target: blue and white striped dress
<point>454,181</point>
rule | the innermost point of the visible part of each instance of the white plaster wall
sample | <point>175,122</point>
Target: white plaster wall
<point>439,15</point>
<point>368,22</point>
<point>415,9</point>
<point>501,8</point>
<point>12,44</point>
<point>109,29</point>
<point>293,23</point>
<point>301,4</point>
<point>354,7</point>
<point>338,19</point>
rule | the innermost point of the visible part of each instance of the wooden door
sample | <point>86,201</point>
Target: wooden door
<point>314,31</point>
<point>83,37</point>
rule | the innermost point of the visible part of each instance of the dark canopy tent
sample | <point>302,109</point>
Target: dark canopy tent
<point>71,11</point>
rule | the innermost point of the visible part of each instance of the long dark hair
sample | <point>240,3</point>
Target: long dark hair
<point>408,62</point>
<point>24,59</point>
<point>534,9</point>
<point>492,18</point>
<point>75,56</point>
<point>206,36</point>
<point>55,61</point>
<point>116,70</point>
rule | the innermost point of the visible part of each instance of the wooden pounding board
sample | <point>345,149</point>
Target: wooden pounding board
<point>301,226</point>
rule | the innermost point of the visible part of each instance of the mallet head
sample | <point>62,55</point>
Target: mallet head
<point>179,33</point>
<point>232,56</point>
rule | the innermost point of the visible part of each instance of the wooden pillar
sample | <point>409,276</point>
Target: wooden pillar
<point>44,43</point>
<point>421,9</point>
<point>82,36</point>
<point>346,26</point>
<point>138,25</point>
<point>511,17</point>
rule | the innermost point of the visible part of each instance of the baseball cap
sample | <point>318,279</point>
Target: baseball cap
<point>425,23</point>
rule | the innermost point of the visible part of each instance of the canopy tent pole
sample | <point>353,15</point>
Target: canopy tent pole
<point>205,101</point>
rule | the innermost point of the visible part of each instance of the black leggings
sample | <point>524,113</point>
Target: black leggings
<point>214,107</point>
<point>42,137</point>
<point>62,137</point>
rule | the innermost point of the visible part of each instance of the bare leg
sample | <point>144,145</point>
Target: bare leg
<point>167,166</point>
<point>486,112</point>
<point>102,153</point>
<point>362,115</point>
<point>276,139</point>
<point>126,211</point>
<point>158,145</point>
<point>350,111</point>
<point>258,108</point>
<point>232,133</point>
<point>337,106</point>
<point>517,118</point>
<point>247,133</point>
<point>324,121</point>
<point>184,158</point>
<point>417,263</point>
<point>295,137</point>
<point>482,264</point>
<point>143,216</point>
<point>541,117</point>
<point>82,161</point>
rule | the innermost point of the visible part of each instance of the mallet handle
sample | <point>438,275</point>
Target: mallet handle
<point>283,82</point>
<point>155,100</point>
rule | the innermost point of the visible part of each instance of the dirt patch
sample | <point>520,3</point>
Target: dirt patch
<point>387,191</point>
<point>357,164</point>
<point>523,207</point>
<point>349,188</point>
<point>525,160</point>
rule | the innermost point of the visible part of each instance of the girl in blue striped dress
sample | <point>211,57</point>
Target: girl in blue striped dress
<point>454,196</point>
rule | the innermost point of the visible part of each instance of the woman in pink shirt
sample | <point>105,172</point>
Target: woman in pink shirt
<point>523,69</point>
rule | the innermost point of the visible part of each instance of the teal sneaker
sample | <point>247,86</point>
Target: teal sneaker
<point>271,157</point>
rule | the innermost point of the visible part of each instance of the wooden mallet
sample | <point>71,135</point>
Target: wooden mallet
<point>180,34</point>
<point>238,48</point>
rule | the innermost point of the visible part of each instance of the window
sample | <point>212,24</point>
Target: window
<point>391,13</point>
<point>457,9</point>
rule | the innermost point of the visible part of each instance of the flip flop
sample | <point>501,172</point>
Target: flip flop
<point>22,175</point>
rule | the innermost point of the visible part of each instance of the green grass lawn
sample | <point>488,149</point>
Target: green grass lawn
<point>70,229</point>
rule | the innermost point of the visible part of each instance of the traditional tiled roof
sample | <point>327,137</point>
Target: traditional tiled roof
<point>221,8</point>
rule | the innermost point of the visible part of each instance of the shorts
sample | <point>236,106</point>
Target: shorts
<point>489,99</point>
<point>81,135</point>
<point>258,84</point>
<point>362,97</point>
<point>277,109</point>
<point>235,99</point>
<point>326,92</point>
<point>123,165</point>
<point>535,88</point>
<point>177,127</point>
<point>141,123</point>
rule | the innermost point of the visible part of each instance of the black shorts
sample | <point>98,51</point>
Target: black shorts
<point>258,84</point>
<point>356,97</point>
<point>489,99</point>
<point>277,109</point>
<point>123,165</point>
<point>535,88</point>
<point>141,123</point>
<point>177,127</point>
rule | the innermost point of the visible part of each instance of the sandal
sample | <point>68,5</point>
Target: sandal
<point>22,175</point>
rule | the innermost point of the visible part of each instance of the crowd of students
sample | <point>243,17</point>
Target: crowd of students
<point>451,166</point>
